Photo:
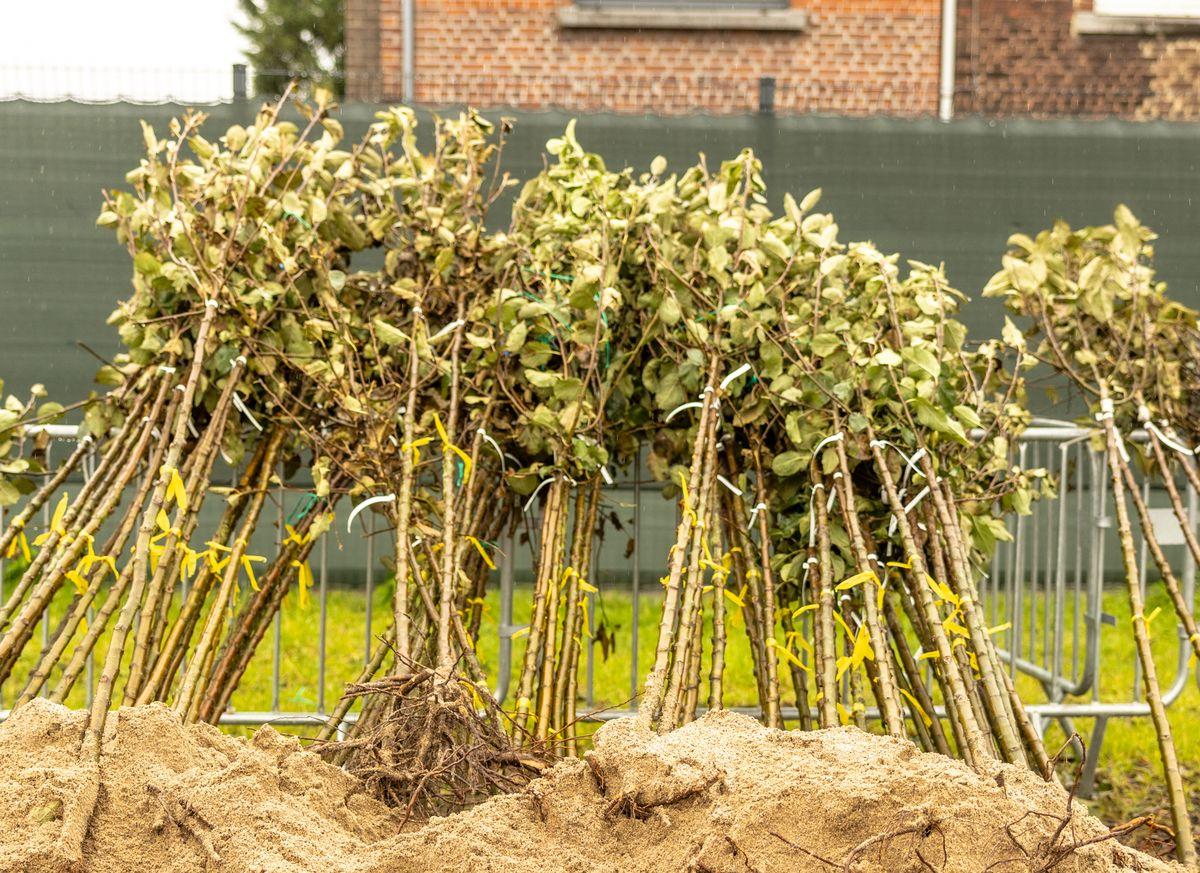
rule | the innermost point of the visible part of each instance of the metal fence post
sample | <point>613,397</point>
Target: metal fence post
<point>766,95</point>
<point>239,82</point>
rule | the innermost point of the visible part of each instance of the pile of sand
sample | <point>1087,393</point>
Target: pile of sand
<point>722,794</point>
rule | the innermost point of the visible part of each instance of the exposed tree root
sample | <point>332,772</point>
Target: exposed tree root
<point>435,745</point>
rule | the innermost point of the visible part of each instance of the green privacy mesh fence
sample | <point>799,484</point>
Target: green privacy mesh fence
<point>934,192</point>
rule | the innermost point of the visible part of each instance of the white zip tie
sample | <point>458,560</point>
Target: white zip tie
<point>237,401</point>
<point>1144,416</point>
<point>496,446</point>
<point>240,359</point>
<point>907,508</point>
<point>739,371</point>
<point>608,479</point>
<point>181,388</point>
<point>812,515</point>
<point>910,462</point>
<point>911,466</point>
<point>536,491</point>
<point>834,438</point>
<point>753,512</point>
<point>192,428</point>
<point>1106,412</point>
<point>454,325</point>
<point>1121,445</point>
<point>832,494</point>
<point>912,503</point>
<point>166,369</point>
<point>695,404</point>
<point>392,439</point>
<point>155,433</point>
<point>210,303</point>
<point>370,501</point>
<point>732,488</point>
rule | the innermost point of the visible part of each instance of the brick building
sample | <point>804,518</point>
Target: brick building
<point>1131,58</point>
<point>1090,58</point>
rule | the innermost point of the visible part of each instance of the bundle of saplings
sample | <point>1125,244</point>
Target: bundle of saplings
<point>1104,322</point>
<point>839,450</point>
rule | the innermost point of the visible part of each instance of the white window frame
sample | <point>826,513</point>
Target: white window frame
<point>1177,9</point>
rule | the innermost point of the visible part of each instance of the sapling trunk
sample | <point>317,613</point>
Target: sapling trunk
<point>733,509</point>
<point>202,456</point>
<point>691,573</point>
<point>553,521</point>
<point>1184,846</point>
<point>771,660</point>
<point>1170,582</point>
<point>22,628</point>
<point>888,695</point>
<point>994,697</point>
<point>974,748</point>
<point>716,674</point>
<point>79,656</point>
<point>338,716</point>
<point>38,499</point>
<point>651,710</point>
<point>171,652</point>
<point>826,667</point>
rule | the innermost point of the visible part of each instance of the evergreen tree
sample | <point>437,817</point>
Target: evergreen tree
<point>302,39</point>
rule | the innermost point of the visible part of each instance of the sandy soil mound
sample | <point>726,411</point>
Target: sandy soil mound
<point>178,799</point>
<point>722,794</point>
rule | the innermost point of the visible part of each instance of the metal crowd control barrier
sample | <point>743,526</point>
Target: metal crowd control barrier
<point>1047,585</point>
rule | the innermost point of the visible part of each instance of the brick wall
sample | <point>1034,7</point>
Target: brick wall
<point>1021,57</point>
<point>854,57</point>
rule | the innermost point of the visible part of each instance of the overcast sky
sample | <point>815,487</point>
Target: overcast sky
<point>105,49</point>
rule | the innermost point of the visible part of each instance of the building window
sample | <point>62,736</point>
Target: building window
<point>716,15</point>
<point>1148,8</point>
<point>732,5</point>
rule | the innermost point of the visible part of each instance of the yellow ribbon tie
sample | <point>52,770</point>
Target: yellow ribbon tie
<point>466,459</point>
<point>175,488</point>
<point>487,559</point>
<point>248,566</point>
<point>858,579</point>
<point>924,715</point>
<point>56,525</point>
<point>305,579</point>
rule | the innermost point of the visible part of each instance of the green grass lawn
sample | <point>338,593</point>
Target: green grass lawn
<point>1128,760</point>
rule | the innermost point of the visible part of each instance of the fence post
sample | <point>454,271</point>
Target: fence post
<point>766,95</point>
<point>239,82</point>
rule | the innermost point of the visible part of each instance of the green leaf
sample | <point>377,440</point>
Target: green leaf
<point>825,344</point>
<point>923,359</point>
<point>146,264</point>
<point>387,334</point>
<point>887,358</point>
<point>516,338</point>
<point>787,464</point>
<point>967,416</point>
<point>668,311</point>
<point>539,379</point>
